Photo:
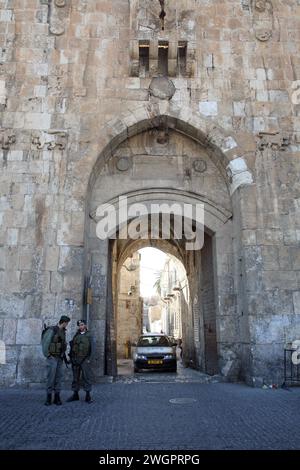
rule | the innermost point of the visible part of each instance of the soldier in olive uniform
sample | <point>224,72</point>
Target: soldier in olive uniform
<point>54,348</point>
<point>82,349</point>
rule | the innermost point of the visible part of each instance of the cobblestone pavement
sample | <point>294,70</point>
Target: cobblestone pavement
<point>184,375</point>
<point>136,413</point>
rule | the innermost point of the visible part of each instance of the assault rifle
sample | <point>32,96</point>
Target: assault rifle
<point>64,358</point>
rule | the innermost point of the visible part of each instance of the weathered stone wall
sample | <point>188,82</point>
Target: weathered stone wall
<point>68,96</point>
<point>173,277</point>
<point>129,308</point>
<point>156,318</point>
<point>209,308</point>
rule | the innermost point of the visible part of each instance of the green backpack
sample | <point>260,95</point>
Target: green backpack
<point>46,337</point>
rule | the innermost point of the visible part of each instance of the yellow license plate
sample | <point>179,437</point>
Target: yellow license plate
<point>155,361</point>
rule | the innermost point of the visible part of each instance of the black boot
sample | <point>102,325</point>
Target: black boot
<point>48,399</point>
<point>74,397</point>
<point>88,397</point>
<point>57,399</point>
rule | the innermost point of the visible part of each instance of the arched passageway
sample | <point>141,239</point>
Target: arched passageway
<point>161,165</point>
<point>185,313</point>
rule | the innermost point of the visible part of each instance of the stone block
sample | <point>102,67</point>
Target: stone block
<point>239,108</point>
<point>48,306</point>
<point>208,108</point>
<point>285,258</point>
<point>278,302</point>
<point>39,121</point>
<point>272,302</point>
<point>15,155</point>
<point>268,329</point>
<point>227,328</point>
<point>227,304</point>
<point>70,235</point>
<point>32,365</point>
<point>41,69</point>
<point>279,280</point>
<point>70,259</point>
<point>278,96</point>
<point>33,305</point>
<point>267,364</point>
<point>8,374</point>
<point>261,74</point>
<point>12,236</point>
<point>270,258</point>
<point>52,255</point>
<point>26,259</point>
<point>229,144</point>
<point>40,91</point>
<point>292,330</point>
<point>9,330</point>
<point>295,255</point>
<point>78,218</point>
<point>29,331</point>
<point>248,237</point>
<point>259,124</point>
<point>6,16</point>
<point>133,82</point>
<point>253,260</point>
<point>248,207</point>
<point>290,236</point>
<point>253,281</point>
<point>73,282</point>
<point>56,282</point>
<point>15,219</point>
<point>2,257</point>
<point>28,282</point>
<point>12,305</point>
<point>296,301</point>
<point>231,370</point>
<point>269,237</point>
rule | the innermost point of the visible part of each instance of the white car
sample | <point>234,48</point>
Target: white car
<point>155,351</point>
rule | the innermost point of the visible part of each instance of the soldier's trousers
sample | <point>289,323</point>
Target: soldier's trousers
<point>54,374</point>
<point>83,370</point>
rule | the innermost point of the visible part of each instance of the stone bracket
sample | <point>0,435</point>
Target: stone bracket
<point>7,138</point>
<point>51,139</point>
<point>274,141</point>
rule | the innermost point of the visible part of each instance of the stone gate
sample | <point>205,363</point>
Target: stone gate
<point>156,101</point>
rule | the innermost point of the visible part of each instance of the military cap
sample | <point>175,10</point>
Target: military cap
<point>64,318</point>
<point>81,321</point>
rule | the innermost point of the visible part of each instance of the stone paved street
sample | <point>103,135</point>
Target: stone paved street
<point>136,413</point>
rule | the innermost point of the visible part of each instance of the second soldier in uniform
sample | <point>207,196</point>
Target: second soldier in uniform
<point>82,348</point>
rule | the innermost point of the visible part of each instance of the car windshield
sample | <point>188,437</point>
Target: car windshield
<point>146,341</point>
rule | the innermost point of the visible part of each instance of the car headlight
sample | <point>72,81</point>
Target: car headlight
<point>141,356</point>
<point>169,356</point>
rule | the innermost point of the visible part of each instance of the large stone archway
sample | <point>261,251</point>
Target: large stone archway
<point>133,136</point>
